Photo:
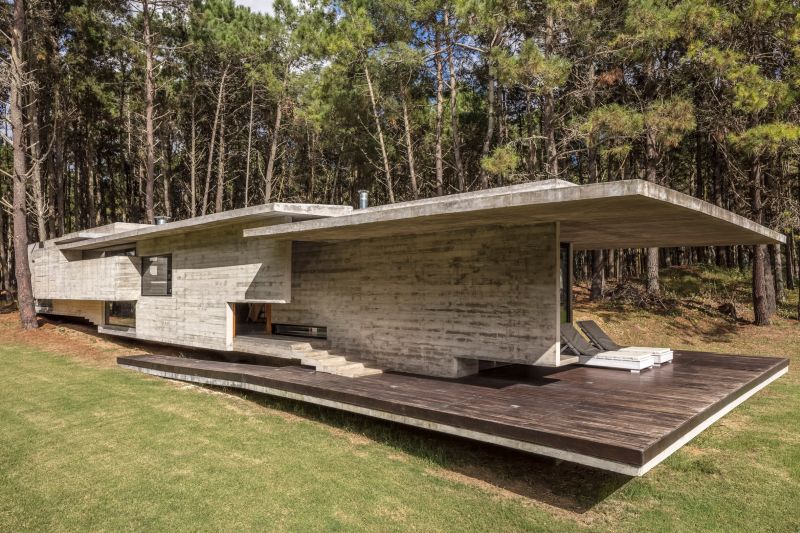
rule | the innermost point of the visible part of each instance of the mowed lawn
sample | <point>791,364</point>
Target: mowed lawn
<point>85,445</point>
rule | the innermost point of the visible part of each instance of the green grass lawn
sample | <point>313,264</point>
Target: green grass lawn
<point>83,447</point>
<point>87,445</point>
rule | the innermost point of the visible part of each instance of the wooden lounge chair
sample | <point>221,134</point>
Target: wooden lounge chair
<point>591,356</point>
<point>604,342</point>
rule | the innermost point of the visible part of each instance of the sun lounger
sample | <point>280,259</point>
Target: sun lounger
<point>591,356</point>
<point>604,342</point>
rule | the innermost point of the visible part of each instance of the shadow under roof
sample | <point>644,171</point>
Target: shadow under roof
<point>620,214</point>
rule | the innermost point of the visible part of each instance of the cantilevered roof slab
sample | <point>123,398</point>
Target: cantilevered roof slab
<point>621,214</point>
<point>245,215</point>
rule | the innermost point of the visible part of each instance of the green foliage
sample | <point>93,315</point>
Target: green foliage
<point>768,139</point>
<point>536,70</point>
<point>589,76</point>
<point>612,128</point>
<point>670,120</point>
<point>503,161</point>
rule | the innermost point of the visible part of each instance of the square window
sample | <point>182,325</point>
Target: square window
<point>121,314</point>
<point>157,275</point>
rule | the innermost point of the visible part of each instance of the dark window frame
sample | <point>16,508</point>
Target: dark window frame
<point>565,282</point>
<point>145,268</point>
<point>106,312</point>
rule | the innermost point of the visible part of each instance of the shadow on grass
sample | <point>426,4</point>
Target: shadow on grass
<point>567,486</point>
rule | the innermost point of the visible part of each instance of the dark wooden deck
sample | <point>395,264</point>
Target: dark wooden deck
<point>606,418</point>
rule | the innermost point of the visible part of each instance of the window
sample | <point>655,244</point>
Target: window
<point>121,314</point>
<point>157,275</point>
<point>565,282</point>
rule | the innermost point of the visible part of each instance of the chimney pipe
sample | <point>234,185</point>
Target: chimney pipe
<point>363,199</point>
<point>161,220</point>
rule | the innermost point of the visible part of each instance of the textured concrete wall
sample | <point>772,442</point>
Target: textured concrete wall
<point>433,303</point>
<point>64,276</point>
<point>209,270</point>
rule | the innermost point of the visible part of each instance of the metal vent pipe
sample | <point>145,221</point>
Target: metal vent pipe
<point>161,220</point>
<point>363,199</point>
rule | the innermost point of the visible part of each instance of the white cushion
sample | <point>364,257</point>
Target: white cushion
<point>621,355</point>
<point>647,349</point>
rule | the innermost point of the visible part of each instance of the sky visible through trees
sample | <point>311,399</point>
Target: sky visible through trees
<point>128,110</point>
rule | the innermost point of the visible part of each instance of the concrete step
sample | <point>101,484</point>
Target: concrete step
<point>316,360</point>
<point>337,368</point>
<point>301,347</point>
<point>337,362</point>
<point>357,373</point>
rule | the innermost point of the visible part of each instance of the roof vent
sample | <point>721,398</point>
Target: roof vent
<point>161,220</point>
<point>363,199</point>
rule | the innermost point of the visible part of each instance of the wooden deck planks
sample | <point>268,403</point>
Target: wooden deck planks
<point>608,414</point>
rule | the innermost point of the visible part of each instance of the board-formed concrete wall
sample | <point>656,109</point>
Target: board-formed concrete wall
<point>211,269</point>
<point>55,275</point>
<point>433,303</point>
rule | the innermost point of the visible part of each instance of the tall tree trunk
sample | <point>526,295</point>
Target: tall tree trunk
<point>776,258</point>
<point>91,184</point>
<point>55,162</point>
<point>548,105</point>
<point>760,304</point>
<point>487,140</point>
<point>409,148</point>
<point>651,160</point>
<point>437,59</point>
<point>35,144</point>
<point>459,166</point>
<point>210,165</point>
<point>598,274</point>
<point>27,311</point>
<point>273,147</point>
<point>5,286</point>
<point>249,146</point>
<point>532,149</point>
<point>218,204</point>
<point>193,161</point>
<point>387,171</point>
<point>149,98</point>
<point>790,260</point>
<point>167,174</point>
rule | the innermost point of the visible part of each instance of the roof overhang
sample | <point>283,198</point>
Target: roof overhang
<point>620,214</point>
<point>273,212</point>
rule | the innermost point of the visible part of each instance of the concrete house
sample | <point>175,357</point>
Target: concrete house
<point>431,287</point>
<point>441,287</point>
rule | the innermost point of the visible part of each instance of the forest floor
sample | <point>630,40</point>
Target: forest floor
<point>87,445</point>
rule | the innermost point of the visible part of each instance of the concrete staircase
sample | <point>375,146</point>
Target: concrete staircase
<point>331,362</point>
<point>316,353</point>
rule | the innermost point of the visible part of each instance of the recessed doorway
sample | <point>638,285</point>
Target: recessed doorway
<point>252,318</point>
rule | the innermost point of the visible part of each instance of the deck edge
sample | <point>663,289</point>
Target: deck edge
<point>555,453</point>
<point>709,421</point>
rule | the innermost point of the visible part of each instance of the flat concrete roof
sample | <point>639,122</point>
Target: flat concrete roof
<point>93,239</point>
<point>619,214</point>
